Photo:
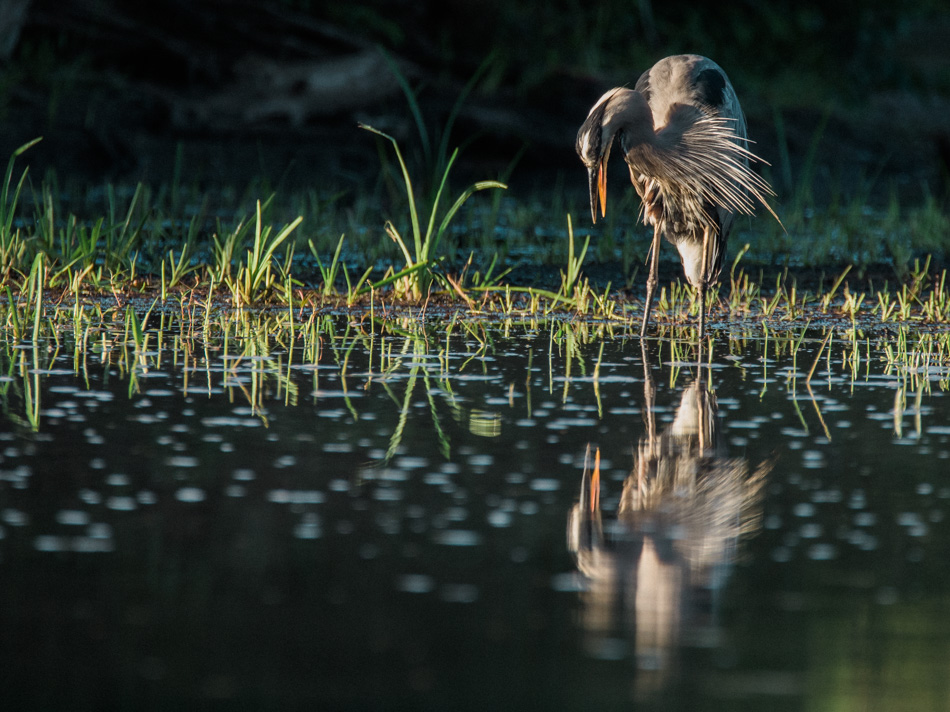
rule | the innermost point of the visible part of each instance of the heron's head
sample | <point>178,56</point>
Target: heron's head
<point>593,146</point>
<point>622,112</point>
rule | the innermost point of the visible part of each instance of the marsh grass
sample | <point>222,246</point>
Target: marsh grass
<point>137,247</point>
<point>416,276</point>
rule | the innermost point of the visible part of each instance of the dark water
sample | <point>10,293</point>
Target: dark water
<point>401,517</point>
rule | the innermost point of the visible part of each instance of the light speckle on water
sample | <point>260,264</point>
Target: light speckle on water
<point>122,504</point>
<point>458,593</point>
<point>822,552</point>
<point>72,517</point>
<point>190,495</point>
<point>14,517</point>
<point>457,537</point>
<point>282,496</point>
<point>499,518</point>
<point>415,583</point>
<point>309,527</point>
<point>804,510</point>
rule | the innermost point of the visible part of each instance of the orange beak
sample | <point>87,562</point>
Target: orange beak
<point>598,190</point>
<point>602,192</point>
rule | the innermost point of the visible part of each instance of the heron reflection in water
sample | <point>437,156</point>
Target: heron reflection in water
<point>656,571</point>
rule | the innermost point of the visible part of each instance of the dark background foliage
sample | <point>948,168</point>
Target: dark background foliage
<point>272,89</point>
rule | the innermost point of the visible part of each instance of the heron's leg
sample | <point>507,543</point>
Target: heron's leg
<point>651,278</point>
<point>703,282</point>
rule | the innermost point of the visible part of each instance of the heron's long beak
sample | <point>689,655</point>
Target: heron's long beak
<point>598,189</point>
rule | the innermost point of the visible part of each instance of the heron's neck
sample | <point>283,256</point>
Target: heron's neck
<point>629,116</point>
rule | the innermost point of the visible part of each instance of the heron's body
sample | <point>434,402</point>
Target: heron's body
<point>698,82</point>
<point>683,135</point>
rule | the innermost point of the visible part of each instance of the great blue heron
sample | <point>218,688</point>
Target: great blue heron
<point>683,136</point>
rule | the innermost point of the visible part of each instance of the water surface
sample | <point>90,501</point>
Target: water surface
<point>531,515</point>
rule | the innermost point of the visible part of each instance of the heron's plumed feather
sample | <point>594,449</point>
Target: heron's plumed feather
<point>700,155</point>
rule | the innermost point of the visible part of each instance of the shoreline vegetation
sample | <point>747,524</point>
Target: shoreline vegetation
<point>482,256</point>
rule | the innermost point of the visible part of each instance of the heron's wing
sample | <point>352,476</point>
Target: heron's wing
<point>703,156</point>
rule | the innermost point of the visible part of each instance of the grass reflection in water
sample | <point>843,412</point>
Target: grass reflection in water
<point>201,505</point>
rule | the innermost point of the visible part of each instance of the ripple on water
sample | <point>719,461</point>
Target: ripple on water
<point>72,517</point>
<point>529,507</point>
<point>415,583</point>
<point>387,494</point>
<point>862,540</point>
<point>230,421</point>
<point>88,496</point>
<point>913,523</point>
<point>499,518</point>
<point>564,424</point>
<point>190,495</point>
<point>794,432</point>
<point>309,527</point>
<point>122,504</point>
<point>804,510</point>
<point>822,552</point>
<point>183,461</point>
<point>458,537</point>
<point>48,543</point>
<point>406,462</point>
<point>285,496</point>
<point>826,496</point>
<point>100,396</point>
<point>481,460</point>
<point>458,593</point>
<point>14,517</point>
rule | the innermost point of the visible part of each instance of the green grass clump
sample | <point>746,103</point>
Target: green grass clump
<point>415,278</point>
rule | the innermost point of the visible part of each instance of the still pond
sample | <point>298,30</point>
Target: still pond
<point>248,513</point>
